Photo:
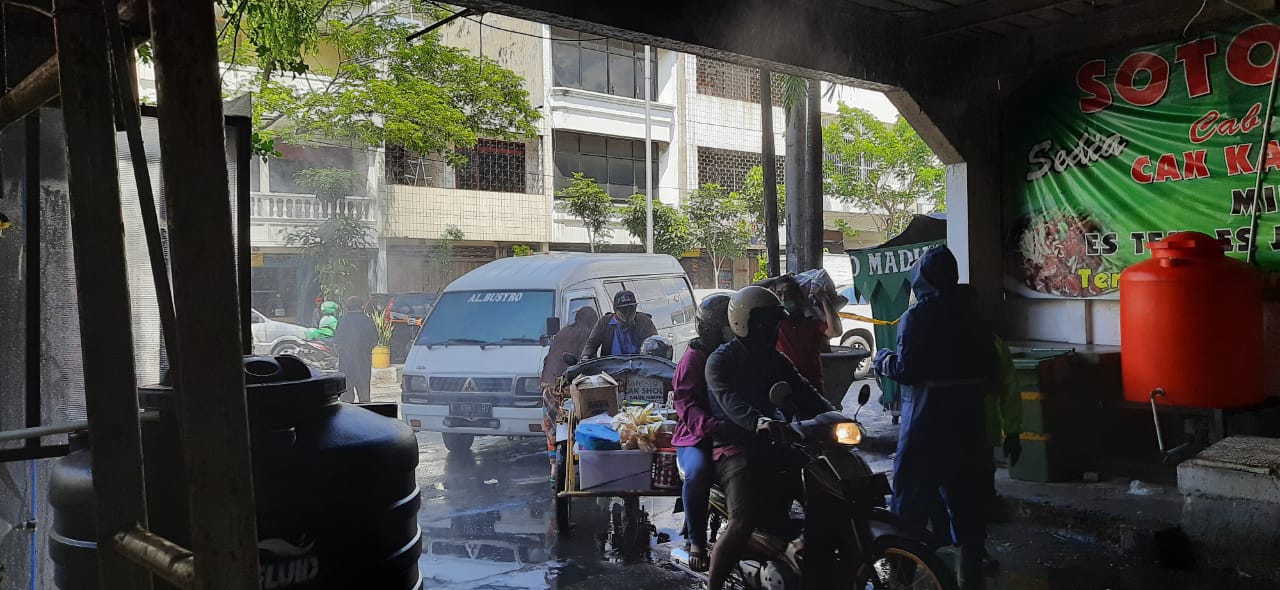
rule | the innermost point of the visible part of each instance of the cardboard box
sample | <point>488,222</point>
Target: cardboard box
<point>595,394</point>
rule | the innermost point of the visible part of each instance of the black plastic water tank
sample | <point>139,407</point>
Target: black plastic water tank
<point>337,499</point>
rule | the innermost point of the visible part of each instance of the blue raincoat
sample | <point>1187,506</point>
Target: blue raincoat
<point>945,363</point>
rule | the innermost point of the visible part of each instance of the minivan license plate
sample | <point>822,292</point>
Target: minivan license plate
<point>471,410</point>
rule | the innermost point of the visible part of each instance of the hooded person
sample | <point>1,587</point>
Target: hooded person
<point>570,339</point>
<point>946,363</point>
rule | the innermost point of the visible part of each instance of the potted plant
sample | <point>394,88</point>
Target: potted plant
<point>382,352</point>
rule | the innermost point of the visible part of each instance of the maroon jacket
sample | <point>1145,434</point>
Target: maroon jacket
<point>693,406</point>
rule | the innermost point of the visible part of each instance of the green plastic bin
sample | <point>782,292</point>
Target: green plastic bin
<point>1045,382</point>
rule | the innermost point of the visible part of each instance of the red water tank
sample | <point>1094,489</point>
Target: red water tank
<point>1191,324</point>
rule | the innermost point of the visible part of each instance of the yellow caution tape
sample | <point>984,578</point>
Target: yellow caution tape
<point>1033,436</point>
<point>860,318</point>
<point>1032,396</point>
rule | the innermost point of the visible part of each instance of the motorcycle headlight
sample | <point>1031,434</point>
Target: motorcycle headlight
<point>848,434</point>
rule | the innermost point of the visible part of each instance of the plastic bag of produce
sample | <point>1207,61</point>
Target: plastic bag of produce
<point>637,427</point>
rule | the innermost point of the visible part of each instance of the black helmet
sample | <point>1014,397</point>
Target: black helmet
<point>657,346</point>
<point>712,318</point>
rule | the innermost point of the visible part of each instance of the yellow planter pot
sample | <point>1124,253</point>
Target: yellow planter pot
<point>381,357</point>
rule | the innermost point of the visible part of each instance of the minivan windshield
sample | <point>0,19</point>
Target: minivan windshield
<point>488,317</point>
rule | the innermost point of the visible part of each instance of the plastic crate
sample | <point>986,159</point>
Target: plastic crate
<point>614,471</point>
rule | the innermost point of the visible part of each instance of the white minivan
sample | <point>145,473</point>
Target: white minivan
<point>476,366</point>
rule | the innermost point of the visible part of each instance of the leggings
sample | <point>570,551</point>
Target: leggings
<point>699,474</point>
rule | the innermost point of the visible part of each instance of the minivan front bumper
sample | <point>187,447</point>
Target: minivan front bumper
<point>504,421</point>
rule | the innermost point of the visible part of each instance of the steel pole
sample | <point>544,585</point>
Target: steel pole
<point>648,159</point>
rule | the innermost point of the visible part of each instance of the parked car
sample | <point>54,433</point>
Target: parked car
<point>269,333</point>
<point>476,366</point>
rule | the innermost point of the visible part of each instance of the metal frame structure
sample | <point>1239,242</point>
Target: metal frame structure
<point>90,69</point>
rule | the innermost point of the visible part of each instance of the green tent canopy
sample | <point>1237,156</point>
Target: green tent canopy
<point>881,276</point>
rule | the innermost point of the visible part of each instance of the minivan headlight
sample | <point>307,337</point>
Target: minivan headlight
<point>531,385</point>
<point>415,383</point>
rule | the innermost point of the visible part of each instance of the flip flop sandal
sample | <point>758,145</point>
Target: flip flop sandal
<point>698,559</point>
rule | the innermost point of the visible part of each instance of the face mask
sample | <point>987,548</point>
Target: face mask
<point>790,306</point>
<point>625,315</point>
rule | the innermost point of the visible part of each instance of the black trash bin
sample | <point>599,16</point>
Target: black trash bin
<point>337,499</point>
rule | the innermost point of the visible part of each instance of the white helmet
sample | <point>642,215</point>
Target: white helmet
<point>744,302</point>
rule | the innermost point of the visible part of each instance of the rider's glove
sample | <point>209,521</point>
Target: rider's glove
<point>775,429</point>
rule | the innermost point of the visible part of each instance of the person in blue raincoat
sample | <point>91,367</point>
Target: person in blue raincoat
<point>945,363</point>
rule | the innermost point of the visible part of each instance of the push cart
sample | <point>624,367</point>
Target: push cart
<point>640,379</point>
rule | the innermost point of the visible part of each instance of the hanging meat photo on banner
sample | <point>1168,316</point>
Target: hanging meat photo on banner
<point>1107,156</point>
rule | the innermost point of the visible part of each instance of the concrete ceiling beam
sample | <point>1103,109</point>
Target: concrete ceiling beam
<point>831,40</point>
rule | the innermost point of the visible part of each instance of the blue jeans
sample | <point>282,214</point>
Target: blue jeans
<point>699,474</point>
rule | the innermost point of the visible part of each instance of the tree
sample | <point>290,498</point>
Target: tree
<point>753,198</point>
<point>332,245</point>
<point>718,222</point>
<point>380,87</point>
<point>885,169</point>
<point>440,261</point>
<point>591,204</point>
<point>670,226</point>
<point>328,184</point>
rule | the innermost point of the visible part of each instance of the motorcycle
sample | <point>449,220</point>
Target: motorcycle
<point>849,533</point>
<point>319,354</point>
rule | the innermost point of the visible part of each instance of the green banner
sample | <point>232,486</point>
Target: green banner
<point>1114,154</point>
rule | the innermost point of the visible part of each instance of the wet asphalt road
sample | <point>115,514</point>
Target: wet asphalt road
<point>488,524</point>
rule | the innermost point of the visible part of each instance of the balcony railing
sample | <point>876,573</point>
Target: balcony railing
<point>299,208</point>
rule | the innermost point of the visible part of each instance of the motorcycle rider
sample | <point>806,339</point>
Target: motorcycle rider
<point>739,376</point>
<point>696,426</point>
<point>328,323</point>
<point>620,332</point>
<point>946,363</point>
<point>569,340</point>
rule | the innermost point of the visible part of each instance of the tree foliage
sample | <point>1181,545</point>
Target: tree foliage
<point>670,226</point>
<point>591,204</point>
<point>718,222</point>
<point>332,245</point>
<point>884,169</point>
<point>329,184</point>
<point>373,85</point>
<point>753,198</point>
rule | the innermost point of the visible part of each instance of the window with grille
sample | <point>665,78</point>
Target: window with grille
<point>732,81</point>
<point>616,164</point>
<point>493,166</point>
<point>587,62</point>
<point>729,168</point>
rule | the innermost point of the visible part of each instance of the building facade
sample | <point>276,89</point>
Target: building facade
<point>429,222</point>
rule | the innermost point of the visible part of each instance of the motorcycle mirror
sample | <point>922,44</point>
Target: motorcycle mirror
<point>779,393</point>
<point>553,326</point>
<point>864,394</point>
<point>569,359</point>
